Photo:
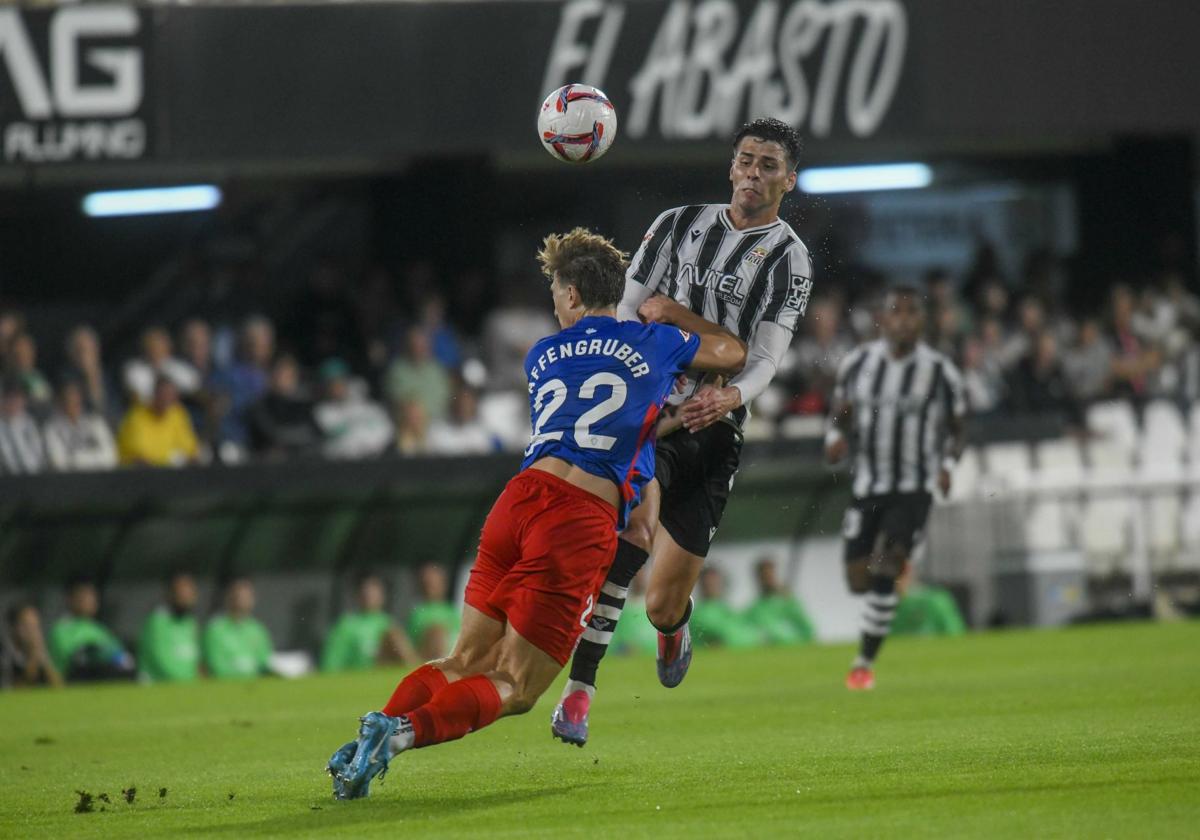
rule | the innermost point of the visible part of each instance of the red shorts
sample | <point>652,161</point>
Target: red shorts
<point>543,556</point>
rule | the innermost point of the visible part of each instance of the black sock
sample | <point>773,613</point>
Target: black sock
<point>879,608</point>
<point>598,633</point>
<point>674,628</point>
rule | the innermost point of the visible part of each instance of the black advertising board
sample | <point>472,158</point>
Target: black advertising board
<point>377,83</point>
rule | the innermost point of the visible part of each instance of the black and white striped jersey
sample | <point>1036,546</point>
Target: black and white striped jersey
<point>731,277</point>
<point>734,278</point>
<point>901,412</point>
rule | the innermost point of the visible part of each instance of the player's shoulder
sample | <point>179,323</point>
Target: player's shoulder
<point>795,246</point>
<point>936,356</point>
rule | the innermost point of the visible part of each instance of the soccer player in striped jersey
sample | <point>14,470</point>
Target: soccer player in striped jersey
<point>595,392</point>
<point>740,267</point>
<point>902,405</point>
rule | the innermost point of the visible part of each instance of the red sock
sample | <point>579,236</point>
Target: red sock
<point>415,690</point>
<point>457,709</point>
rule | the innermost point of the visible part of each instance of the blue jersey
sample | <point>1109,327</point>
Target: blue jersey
<point>595,390</point>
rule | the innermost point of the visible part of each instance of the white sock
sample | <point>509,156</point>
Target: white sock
<point>402,739</point>
<point>574,685</point>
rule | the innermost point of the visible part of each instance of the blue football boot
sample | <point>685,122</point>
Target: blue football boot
<point>371,757</point>
<point>338,763</point>
<point>674,654</point>
<point>569,723</point>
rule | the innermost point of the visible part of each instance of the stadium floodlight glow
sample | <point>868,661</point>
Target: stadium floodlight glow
<point>874,178</point>
<point>146,202</point>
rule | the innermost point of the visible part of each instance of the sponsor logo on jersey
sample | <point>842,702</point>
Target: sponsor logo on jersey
<point>686,335</point>
<point>799,290</point>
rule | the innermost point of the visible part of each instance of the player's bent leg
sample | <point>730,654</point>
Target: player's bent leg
<point>669,606</point>
<point>569,722</point>
<point>879,608</point>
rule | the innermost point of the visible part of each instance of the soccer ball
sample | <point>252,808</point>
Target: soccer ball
<point>577,123</point>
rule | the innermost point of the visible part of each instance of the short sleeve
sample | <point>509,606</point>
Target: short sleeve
<point>956,396</point>
<point>649,265</point>
<point>845,373</point>
<point>675,349</point>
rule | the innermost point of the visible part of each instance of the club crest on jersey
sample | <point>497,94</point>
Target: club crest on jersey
<point>799,291</point>
<point>756,255</point>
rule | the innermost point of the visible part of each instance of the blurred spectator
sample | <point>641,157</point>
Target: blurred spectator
<point>12,323</point>
<point>360,637</point>
<point>21,449</point>
<point>25,657</point>
<point>241,384</point>
<point>21,364</point>
<point>235,643</point>
<point>82,647</point>
<point>447,349</point>
<point>282,422</point>
<point>991,300</point>
<point>777,615</point>
<point>714,622</point>
<point>811,365</point>
<point>1038,383</point>
<point>86,366</point>
<point>1088,362</point>
<point>949,320</point>
<point>169,646</point>
<point>983,380</point>
<point>412,428</point>
<point>510,330</point>
<point>159,434</point>
<point>77,439</point>
<point>1031,322</point>
<point>1135,361</point>
<point>156,362</point>
<point>463,433</point>
<point>434,623</point>
<point>418,377</point>
<point>196,341</point>
<point>352,426</point>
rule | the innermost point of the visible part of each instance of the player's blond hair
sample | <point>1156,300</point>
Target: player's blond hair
<point>589,262</point>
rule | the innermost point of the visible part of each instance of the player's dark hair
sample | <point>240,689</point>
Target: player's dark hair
<point>589,262</point>
<point>904,290</point>
<point>777,131</point>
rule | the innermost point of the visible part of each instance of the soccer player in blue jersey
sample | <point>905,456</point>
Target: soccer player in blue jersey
<point>595,392</point>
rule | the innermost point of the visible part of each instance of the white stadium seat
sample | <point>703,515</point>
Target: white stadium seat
<point>1114,421</point>
<point>1164,437</point>
<point>1054,517</point>
<point>965,483</point>
<point>1009,463</point>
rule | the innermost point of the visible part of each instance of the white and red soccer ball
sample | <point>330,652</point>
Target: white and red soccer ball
<point>577,123</point>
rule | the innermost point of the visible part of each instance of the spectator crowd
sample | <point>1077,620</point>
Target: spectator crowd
<point>173,645</point>
<point>387,365</point>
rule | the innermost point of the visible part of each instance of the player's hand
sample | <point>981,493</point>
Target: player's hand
<point>944,482</point>
<point>836,451</point>
<point>708,406</point>
<point>659,309</point>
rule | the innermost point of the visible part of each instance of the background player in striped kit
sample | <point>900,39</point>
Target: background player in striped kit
<point>902,403</point>
<point>741,267</point>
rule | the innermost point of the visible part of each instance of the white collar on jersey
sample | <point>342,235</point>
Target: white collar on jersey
<point>725,220</point>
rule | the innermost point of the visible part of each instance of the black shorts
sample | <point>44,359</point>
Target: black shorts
<point>899,517</point>
<point>695,472</point>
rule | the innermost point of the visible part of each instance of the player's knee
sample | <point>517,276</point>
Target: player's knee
<point>858,577</point>
<point>891,563</point>
<point>663,608</point>
<point>639,532</point>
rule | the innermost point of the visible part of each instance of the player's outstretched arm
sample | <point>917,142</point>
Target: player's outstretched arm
<point>719,353</point>
<point>661,309</point>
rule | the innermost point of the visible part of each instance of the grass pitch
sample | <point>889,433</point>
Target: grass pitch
<point>1091,732</point>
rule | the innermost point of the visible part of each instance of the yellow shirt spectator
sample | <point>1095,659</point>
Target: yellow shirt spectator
<point>159,434</point>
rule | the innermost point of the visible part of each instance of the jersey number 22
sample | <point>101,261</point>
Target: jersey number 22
<point>551,396</point>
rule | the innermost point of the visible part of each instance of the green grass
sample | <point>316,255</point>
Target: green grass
<point>1091,732</point>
